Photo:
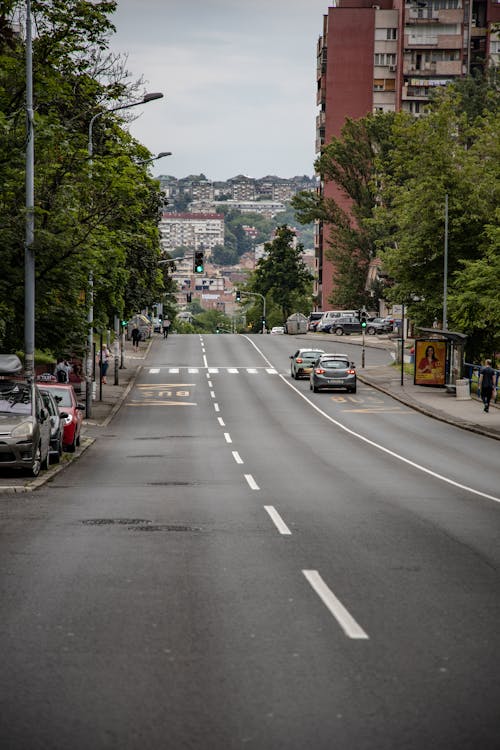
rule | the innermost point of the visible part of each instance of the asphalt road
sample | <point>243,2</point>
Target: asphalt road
<point>238,562</point>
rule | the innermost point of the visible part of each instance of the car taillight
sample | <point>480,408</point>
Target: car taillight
<point>299,360</point>
<point>319,371</point>
<point>351,372</point>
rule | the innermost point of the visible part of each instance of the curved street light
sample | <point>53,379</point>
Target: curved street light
<point>154,158</point>
<point>90,319</point>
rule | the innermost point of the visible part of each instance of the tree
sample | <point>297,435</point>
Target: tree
<point>349,163</point>
<point>282,274</point>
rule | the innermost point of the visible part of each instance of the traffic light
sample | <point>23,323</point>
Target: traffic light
<point>198,266</point>
<point>238,295</point>
<point>124,323</point>
<point>363,318</point>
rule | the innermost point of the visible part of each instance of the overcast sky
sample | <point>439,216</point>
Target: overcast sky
<point>238,78</point>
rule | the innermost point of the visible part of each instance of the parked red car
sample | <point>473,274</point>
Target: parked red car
<point>65,396</point>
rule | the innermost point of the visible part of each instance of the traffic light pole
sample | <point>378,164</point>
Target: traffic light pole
<point>256,294</point>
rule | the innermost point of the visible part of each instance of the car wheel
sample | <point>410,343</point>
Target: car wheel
<point>370,331</point>
<point>35,467</point>
<point>315,389</point>
<point>297,375</point>
<point>77,441</point>
<point>339,331</point>
<point>71,448</point>
<point>310,386</point>
<point>352,390</point>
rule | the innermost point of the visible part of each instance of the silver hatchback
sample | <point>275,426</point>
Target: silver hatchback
<point>333,371</point>
<point>24,423</point>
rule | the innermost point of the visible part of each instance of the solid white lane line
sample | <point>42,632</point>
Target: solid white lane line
<point>227,437</point>
<point>344,619</point>
<point>277,520</point>
<point>237,457</point>
<point>251,482</point>
<point>221,422</point>
<point>154,370</point>
<point>387,451</point>
<point>216,407</point>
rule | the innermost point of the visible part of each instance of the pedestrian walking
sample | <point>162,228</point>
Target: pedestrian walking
<point>104,356</point>
<point>165,327</point>
<point>136,336</point>
<point>487,384</point>
<point>63,369</point>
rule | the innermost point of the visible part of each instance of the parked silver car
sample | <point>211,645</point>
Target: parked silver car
<point>24,421</point>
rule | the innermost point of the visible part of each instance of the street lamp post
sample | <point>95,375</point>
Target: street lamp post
<point>90,343</point>
<point>29,255</point>
<point>256,294</point>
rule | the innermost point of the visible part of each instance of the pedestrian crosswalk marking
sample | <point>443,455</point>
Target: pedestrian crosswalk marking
<point>214,370</point>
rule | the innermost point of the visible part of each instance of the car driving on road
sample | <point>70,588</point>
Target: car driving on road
<point>333,371</point>
<point>302,362</point>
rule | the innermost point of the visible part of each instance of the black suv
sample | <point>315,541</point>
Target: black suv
<point>345,324</point>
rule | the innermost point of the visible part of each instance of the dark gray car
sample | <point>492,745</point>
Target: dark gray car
<point>333,371</point>
<point>345,324</point>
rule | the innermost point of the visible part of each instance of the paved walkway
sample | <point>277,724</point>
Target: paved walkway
<point>435,402</point>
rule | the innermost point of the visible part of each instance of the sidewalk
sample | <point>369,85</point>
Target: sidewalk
<point>433,401</point>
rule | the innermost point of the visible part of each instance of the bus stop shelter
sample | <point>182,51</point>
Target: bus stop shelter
<point>455,353</point>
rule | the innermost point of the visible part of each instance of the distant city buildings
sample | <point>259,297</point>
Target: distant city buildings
<point>193,230</point>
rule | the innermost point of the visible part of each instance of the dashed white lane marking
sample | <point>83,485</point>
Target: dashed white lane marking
<point>277,520</point>
<point>382,448</point>
<point>205,363</point>
<point>212,394</point>
<point>252,370</point>
<point>216,407</point>
<point>173,370</point>
<point>232,370</point>
<point>221,422</point>
<point>227,437</point>
<point>237,457</point>
<point>337,609</point>
<point>193,370</point>
<point>214,370</point>
<point>251,482</point>
<point>210,384</point>
<point>154,370</point>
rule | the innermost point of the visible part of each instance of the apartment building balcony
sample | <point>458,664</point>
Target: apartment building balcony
<point>413,93</point>
<point>321,94</point>
<point>425,69</point>
<point>422,15</point>
<point>320,142</point>
<point>320,120</point>
<point>449,68</point>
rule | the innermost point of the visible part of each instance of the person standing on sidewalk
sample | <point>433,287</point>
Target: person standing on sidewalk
<point>136,336</point>
<point>487,384</point>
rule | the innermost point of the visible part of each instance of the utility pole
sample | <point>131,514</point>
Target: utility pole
<point>29,255</point>
<point>445,271</point>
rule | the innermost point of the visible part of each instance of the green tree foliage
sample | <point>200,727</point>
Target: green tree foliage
<point>445,153</point>
<point>348,163</point>
<point>96,216</point>
<point>282,277</point>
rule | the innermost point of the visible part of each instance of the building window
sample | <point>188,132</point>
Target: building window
<point>391,34</point>
<point>378,84</point>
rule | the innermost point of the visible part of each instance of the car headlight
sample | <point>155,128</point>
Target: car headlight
<point>23,430</point>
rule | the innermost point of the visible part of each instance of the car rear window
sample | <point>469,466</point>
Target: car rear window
<point>311,355</point>
<point>335,364</point>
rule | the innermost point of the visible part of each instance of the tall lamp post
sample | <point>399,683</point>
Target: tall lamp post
<point>90,343</point>
<point>29,255</point>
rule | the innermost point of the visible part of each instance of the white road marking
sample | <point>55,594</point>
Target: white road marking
<point>232,370</point>
<point>271,371</point>
<point>216,407</point>
<point>227,437</point>
<point>205,363</point>
<point>212,394</point>
<point>154,370</point>
<point>221,422</point>
<point>251,482</point>
<point>277,520</point>
<point>193,370</point>
<point>213,370</point>
<point>210,384</point>
<point>237,457</point>
<point>344,619</point>
<point>173,370</point>
<point>252,371</point>
<point>387,451</point>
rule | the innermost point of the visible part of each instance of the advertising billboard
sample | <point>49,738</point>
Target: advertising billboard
<point>430,362</point>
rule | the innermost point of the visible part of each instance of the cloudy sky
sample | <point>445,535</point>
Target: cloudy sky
<point>239,83</point>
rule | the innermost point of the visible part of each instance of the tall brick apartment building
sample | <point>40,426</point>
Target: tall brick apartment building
<point>388,56</point>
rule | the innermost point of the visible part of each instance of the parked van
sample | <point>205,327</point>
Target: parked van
<point>328,317</point>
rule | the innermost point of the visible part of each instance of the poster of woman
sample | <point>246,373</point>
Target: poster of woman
<point>430,360</point>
